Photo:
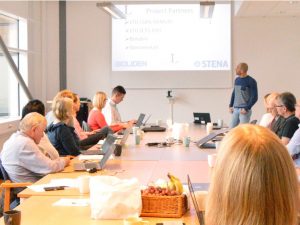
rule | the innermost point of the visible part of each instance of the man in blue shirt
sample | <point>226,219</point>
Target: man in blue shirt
<point>243,97</point>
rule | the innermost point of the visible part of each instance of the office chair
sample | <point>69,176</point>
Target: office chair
<point>6,186</point>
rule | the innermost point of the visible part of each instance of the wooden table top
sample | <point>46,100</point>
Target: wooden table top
<point>39,210</point>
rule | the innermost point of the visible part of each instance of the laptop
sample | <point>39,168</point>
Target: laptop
<point>205,141</point>
<point>201,118</point>
<point>140,120</point>
<point>153,128</point>
<point>110,139</point>
<point>199,213</point>
<point>125,135</point>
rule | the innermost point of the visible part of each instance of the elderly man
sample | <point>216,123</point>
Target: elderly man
<point>21,157</point>
<point>294,144</point>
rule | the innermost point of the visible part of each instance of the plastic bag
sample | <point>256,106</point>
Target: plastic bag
<point>113,198</point>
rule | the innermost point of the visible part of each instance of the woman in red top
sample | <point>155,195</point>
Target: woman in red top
<point>96,119</point>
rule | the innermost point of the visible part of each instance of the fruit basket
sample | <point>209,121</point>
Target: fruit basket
<point>164,206</point>
<point>164,199</point>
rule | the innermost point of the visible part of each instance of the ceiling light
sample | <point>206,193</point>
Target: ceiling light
<point>206,9</point>
<point>112,10</point>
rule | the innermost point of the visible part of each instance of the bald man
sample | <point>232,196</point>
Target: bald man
<point>243,97</point>
<point>21,156</point>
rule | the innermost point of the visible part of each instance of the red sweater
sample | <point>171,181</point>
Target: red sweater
<point>96,120</point>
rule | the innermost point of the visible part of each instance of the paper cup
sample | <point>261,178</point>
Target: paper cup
<point>211,159</point>
<point>84,184</point>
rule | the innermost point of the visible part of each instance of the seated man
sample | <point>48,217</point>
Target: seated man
<point>294,144</point>
<point>286,108</point>
<point>21,156</point>
<point>110,111</point>
<point>45,145</point>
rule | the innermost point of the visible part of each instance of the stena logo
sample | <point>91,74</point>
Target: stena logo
<point>211,64</point>
<point>131,63</point>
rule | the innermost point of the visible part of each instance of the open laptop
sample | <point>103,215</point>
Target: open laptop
<point>199,213</point>
<point>205,141</point>
<point>152,128</point>
<point>125,135</point>
<point>140,120</point>
<point>201,118</point>
<point>109,141</point>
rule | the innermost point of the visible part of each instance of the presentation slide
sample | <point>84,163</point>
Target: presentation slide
<point>171,37</point>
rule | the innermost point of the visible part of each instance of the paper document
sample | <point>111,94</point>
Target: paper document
<point>72,202</point>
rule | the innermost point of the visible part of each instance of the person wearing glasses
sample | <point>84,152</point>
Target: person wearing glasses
<point>243,97</point>
<point>96,119</point>
<point>294,144</point>
<point>286,108</point>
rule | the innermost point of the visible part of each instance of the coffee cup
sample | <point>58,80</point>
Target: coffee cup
<point>137,139</point>
<point>135,221</point>
<point>186,141</point>
<point>84,184</point>
<point>209,128</point>
<point>158,122</point>
<point>220,123</point>
<point>211,159</point>
<point>12,217</point>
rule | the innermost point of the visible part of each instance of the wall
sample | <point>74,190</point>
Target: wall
<point>269,45</point>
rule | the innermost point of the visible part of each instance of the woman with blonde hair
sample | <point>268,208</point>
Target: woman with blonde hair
<point>61,132</point>
<point>96,119</point>
<point>254,181</point>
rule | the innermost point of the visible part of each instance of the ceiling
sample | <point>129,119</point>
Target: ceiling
<point>268,8</point>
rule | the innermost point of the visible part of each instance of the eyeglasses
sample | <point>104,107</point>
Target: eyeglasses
<point>278,106</point>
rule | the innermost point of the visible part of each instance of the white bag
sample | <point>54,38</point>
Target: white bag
<point>113,198</point>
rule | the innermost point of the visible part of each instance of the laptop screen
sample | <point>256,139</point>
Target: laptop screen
<point>139,122</point>
<point>193,197</point>
<point>109,148</point>
<point>202,118</point>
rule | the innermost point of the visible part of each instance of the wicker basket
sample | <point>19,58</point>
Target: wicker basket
<point>164,206</point>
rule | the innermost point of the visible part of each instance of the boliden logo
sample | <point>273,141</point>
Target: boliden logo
<point>211,64</point>
<point>131,63</point>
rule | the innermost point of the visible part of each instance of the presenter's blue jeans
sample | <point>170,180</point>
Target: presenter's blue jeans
<point>238,118</point>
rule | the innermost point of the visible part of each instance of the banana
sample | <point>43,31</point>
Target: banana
<point>177,183</point>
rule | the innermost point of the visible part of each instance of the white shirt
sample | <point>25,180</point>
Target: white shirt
<point>294,146</point>
<point>47,148</point>
<point>111,113</point>
<point>266,120</point>
<point>23,160</point>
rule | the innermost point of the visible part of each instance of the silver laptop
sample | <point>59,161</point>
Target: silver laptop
<point>140,120</point>
<point>104,147</point>
<point>206,142</point>
<point>108,147</point>
<point>125,136</point>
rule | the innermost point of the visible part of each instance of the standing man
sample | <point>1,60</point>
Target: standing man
<point>243,97</point>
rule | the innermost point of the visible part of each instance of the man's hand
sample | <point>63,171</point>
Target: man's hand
<point>243,111</point>
<point>67,160</point>
<point>231,109</point>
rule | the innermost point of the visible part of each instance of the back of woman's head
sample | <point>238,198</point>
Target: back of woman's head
<point>63,108</point>
<point>99,100</point>
<point>254,181</point>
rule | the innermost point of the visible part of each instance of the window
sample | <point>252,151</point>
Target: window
<point>13,31</point>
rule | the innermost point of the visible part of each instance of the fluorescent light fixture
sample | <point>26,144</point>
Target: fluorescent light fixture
<point>206,9</point>
<point>112,10</point>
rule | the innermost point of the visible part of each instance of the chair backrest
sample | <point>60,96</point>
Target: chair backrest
<point>3,174</point>
<point>85,126</point>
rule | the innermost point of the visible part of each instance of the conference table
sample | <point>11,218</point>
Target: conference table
<point>145,163</point>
